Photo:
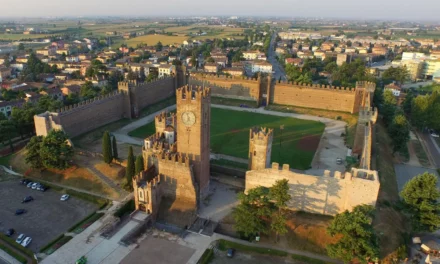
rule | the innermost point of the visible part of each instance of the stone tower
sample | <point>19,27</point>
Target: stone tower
<point>193,130</point>
<point>260,148</point>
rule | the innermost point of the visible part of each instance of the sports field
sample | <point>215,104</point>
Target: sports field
<point>295,144</point>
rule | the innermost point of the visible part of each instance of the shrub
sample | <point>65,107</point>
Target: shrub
<point>88,219</point>
<point>224,244</point>
<point>13,254</point>
<point>207,256</point>
<point>51,243</point>
<point>17,246</point>
<point>128,207</point>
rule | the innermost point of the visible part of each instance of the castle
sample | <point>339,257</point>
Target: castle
<point>177,156</point>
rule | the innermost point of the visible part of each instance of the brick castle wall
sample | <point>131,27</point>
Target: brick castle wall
<point>315,96</point>
<point>229,87</point>
<point>146,94</point>
<point>328,195</point>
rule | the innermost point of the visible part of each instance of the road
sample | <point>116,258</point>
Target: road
<point>279,71</point>
<point>434,151</point>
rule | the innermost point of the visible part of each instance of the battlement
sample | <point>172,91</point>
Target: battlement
<point>367,114</point>
<point>179,159</point>
<point>213,76</point>
<point>192,92</point>
<point>158,143</point>
<point>362,174</point>
<point>316,86</point>
<point>125,85</point>
<point>87,103</point>
<point>370,86</point>
<point>260,133</point>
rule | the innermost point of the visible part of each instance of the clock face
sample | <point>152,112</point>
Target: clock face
<point>188,118</point>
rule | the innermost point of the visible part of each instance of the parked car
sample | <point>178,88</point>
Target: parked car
<point>65,197</point>
<point>230,252</point>
<point>10,232</point>
<point>20,211</point>
<point>339,161</point>
<point>25,181</point>
<point>35,185</point>
<point>41,187</point>
<point>29,185</point>
<point>433,133</point>
<point>27,199</point>
<point>20,238</point>
<point>26,241</point>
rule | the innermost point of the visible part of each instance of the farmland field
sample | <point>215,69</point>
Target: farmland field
<point>153,39</point>
<point>296,145</point>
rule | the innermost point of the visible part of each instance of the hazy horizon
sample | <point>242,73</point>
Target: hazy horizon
<point>344,9</point>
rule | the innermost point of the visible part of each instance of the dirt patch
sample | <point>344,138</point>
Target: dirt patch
<point>309,143</point>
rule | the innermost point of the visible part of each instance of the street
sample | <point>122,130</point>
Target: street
<point>271,57</point>
<point>432,147</point>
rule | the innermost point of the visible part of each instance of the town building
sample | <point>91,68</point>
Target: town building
<point>261,66</point>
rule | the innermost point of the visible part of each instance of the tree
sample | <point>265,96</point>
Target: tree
<point>142,76</point>
<point>421,195</point>
<point>399,132</point>
<point>158,46</point>
<point>132,75</point>
<point>6,130</point>
<point>115,148</point>
<point>279,193</point>
<point>420,111</point>
<point>139,166</point>
<point>130,169</point>
<point>407,102</point>
<point>107,148</point>
<point>56,150</point>
<point>388,107</point>
<point>358,238</point>
<point>33,148</point>
<point>88,91</point>
<point>21,46</point>
<point>398,74</point>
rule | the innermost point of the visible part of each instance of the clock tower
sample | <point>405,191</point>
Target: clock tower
<point>193,130</point>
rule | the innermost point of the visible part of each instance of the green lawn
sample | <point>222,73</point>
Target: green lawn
<point>230,136</point>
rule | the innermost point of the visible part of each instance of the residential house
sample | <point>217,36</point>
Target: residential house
<point>394,88</point>
<point>72,59</point>
<point>63,51</point>
<point>55,93</point>
<point>222,61</point>
<point>211,67</point>
<point>165,70</point>
<point>6,106</point>
<point>5,73</point>
<point>261,66</point>
<point>327,46</point>
<point>294,61</point>
<point>379,50</point>
<point>251,54</point>
<point>234,71</point>
<point>319,54</point>
<point>71,89</point>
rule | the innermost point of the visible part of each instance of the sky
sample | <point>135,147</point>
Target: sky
<point>354,9</point>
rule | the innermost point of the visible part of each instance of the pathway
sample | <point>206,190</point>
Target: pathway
<point>230,158</point>
<point>106,180</point>
<point>8,259</point>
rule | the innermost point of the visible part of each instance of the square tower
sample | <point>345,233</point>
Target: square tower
<point>260,148</point>
<point>193,130</point>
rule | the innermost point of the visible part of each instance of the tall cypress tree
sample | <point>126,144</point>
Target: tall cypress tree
<point>129,171</point>
<point>139,164</point>
<point>107,148</point>
<point>115,148</point>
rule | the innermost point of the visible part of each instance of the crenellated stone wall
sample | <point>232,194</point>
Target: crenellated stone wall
<point>244,88</point>
<point>317,96</point>
<point>327,194</point>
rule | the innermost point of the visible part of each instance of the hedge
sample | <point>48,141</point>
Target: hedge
<point>308,259</point>
<point>224,244</point>
<point>207,256</point>
<point>128,207</point>
<point>91,217</point>
<point>51,243</point>
<point>18,247</point>
<point>13,254</point>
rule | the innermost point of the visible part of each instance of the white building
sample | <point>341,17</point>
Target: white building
<point>165,70</point>
<point>261,66</point>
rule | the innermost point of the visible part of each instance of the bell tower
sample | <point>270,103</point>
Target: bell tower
<point>193,130</point>
<point>260,148</point>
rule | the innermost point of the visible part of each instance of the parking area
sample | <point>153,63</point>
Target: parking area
<point>46,216</point>
<point>159,250</point>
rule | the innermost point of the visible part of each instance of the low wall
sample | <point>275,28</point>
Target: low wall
<point>327,194</point>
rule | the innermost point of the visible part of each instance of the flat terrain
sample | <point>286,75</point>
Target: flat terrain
<point>295,144</point>
<point>46,218</point>
<point>153,39</point>
<point>158,250</point>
